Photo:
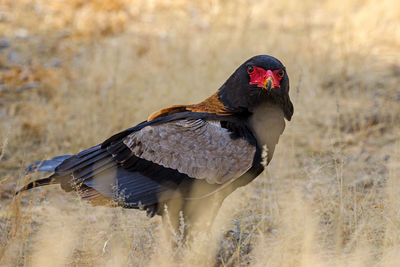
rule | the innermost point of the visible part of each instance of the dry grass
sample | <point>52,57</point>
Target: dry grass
<point>74,72</point>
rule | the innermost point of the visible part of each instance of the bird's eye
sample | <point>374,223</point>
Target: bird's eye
<point>281,73</point>
<point>250,69</point>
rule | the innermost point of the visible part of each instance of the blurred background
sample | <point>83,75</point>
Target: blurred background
<point>73,72</point>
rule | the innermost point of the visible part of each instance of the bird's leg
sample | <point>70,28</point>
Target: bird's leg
<point>173,222</point>
<point>200,214</point>
<point>182,219</point>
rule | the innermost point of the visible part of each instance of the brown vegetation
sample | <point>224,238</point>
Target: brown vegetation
<point>74,72</point>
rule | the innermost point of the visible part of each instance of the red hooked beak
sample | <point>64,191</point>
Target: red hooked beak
<point>264,78</point>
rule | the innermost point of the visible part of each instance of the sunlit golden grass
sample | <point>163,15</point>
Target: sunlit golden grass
<point>75,72</point>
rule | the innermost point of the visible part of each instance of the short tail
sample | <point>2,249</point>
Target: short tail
<point>37,183</point>
<point>43,166</point>
<point>46,165</point>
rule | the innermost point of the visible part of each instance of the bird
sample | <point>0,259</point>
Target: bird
<point>184,160</point>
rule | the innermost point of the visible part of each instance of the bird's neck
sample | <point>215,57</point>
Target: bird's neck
<point>267,123</point>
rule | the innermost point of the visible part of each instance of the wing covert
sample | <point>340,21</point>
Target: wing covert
<point>198,148</point>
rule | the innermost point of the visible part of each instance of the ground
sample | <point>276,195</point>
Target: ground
<point>74,72</point>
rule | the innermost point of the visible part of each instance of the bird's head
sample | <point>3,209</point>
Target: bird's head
<point>260,80</point>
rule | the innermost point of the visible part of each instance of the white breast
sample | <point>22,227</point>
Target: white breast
<point>268,123</point>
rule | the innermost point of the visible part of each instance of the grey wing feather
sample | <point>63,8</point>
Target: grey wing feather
<point>201,149</point>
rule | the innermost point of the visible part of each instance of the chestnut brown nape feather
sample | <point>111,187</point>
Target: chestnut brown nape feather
<point>167,111</point>
<point>210,105</point>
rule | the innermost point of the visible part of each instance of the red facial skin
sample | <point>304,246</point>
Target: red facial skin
<point>260,77</point>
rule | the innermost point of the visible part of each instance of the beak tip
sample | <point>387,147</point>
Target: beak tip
<point>269,85</point>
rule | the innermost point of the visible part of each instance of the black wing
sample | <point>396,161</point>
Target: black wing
<point>160,160</point>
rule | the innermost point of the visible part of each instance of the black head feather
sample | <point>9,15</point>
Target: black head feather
<point>240,96</point>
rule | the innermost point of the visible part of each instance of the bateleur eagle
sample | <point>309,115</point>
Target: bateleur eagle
<point>187,158</point>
